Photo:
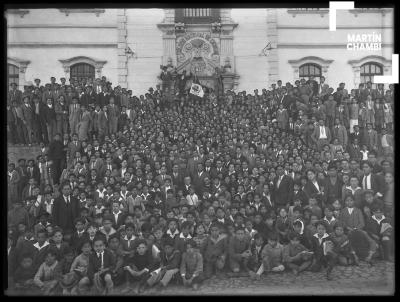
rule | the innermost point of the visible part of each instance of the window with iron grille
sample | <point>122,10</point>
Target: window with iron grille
<point>369,70</point>
<point>197,15</point>
<point>13,75</point>
<point>82,71</point>
<point>310,69</point>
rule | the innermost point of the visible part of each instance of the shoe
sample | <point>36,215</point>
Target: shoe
<point>195,286</point>
<point>252,275</point>
<point>258,276</point>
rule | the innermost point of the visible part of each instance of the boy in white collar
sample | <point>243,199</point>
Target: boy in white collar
<point>183,236</point>
<point>322,246</point>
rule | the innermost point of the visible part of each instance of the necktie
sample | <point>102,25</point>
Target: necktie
<point>365,182</point>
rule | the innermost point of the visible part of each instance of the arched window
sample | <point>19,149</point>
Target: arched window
<point>13,75</point>
<point>369,70</point>
<point>310,69</point>
<point>82,71</point>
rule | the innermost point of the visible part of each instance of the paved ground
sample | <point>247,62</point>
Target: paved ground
<point>362,280</point>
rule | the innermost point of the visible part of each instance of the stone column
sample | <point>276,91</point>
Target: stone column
<point>168,29</point>
<point>122,45</point>
<point>272,32</point>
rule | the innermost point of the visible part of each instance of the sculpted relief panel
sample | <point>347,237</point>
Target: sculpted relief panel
<point>197,53</point>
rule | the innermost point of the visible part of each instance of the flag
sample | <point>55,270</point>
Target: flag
<point>196,89</point>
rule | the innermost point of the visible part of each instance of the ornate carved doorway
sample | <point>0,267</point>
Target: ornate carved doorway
<point>198,41</point>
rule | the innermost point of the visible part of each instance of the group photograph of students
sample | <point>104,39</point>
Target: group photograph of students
<point>129,193</point>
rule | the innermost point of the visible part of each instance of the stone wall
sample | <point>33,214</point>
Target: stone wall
<point>15,153</point>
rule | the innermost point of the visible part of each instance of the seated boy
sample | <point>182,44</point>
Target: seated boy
<point>128,243</point>
<point>41,247</point>
<point>272,255</point>
<point>101,263</point>
<point>58,244</point>
<point>140,267</point>
<point>379,228</point>
<point>24,274</point>
<point>191,268</point>
<point>256,248</point>
<point>342,247</point>
<point>295,255</point>
<point>115,247</point>
<point>79,236</point>
<point>183,236</point>
<point>322,246</point>
<point>47,276</point>
<point>215,250</point>
<point>239,252</point>
<point>329,219</point>
<point>170,261</point>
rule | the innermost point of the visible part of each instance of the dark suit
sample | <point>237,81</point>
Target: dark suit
<point>27,113</point>
<point>117,223</point>
<point>95,263</point>
<point>63,214</point>
<point>177,181</point>
<point>77,241</point>
<point>33,173</point>
<point>50,118</point>
<point>283,194</point>
<point>377,183</point>
<point>39,121</point>
<point>310,188</point>
<point>103,124</point>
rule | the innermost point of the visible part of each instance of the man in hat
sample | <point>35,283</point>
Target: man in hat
<point>37,82</point>
<point>47,93</point>
<point>14,94</point>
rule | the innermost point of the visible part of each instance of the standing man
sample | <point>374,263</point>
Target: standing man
<point>18,122</point>
<point>56,154</point>
<point>321,135</point>
<point>14,94</point>
<point>283,188</point>
<point>27,113</point>
<point>74,115</point>
<point>113,113</point>
<point>65,210</point>
<point>50,117</point>
<point>340,132</point>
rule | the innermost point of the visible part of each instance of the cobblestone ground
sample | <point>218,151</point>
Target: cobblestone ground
<point>361,280</point>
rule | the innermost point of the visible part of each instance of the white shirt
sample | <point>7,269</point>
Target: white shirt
<point>36,245</point>
<point>350,210</point>
<point>316,185</point>
<point>129,240</point>
<point>384,141</point>
<point>279,181</point>
<point>102,258</point>
<point>116,215</point>
<point>322,133</point>
<point>367,180</point>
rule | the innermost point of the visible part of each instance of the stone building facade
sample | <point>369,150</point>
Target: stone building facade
<point>253,47</point>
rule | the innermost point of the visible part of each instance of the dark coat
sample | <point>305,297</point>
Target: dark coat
<point>284,194</point>
<point>62,215</point>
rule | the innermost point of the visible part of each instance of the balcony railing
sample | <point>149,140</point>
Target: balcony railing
<point>197,15</point>
<point>304,11</point>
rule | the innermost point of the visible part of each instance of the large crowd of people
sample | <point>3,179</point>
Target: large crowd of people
<point>169,187</point>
